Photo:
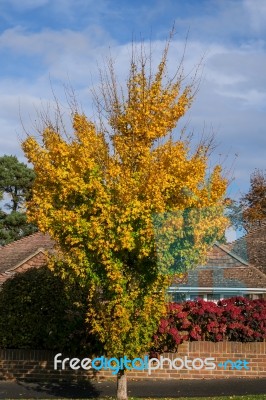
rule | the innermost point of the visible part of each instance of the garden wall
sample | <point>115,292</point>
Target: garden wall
<point>39,365</point>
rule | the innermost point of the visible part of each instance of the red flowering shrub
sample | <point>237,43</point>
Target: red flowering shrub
<point>236,319</point>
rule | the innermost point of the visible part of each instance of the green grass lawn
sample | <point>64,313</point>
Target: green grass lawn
<point>246,397</point>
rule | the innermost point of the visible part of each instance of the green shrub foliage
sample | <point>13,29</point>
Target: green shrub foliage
<point>39,310</point>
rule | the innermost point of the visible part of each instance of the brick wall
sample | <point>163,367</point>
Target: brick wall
<point>38,365</point>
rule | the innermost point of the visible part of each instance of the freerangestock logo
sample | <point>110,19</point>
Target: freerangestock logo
<point>145,364</point>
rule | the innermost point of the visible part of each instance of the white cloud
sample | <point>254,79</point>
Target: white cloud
<point>61,53</point>
<point>256,10</point>
<point>232,95</point>
<point>250,98</point>
<point>48,43</point>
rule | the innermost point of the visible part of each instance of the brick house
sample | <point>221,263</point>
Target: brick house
<point>226,274</point>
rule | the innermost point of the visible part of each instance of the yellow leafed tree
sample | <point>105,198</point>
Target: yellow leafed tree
<point>128,205</point>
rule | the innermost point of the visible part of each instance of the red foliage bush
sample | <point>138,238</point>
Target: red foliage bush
<point>236,319</point>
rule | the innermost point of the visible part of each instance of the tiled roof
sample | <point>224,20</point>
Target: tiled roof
<point>15,253</point>
<point>223,255</point>
<point>252,247</point>
<point>224,269</point>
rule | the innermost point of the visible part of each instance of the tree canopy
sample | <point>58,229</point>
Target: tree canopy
<point>126,202</point>
<point>254,201</point>
<point>16,181</point>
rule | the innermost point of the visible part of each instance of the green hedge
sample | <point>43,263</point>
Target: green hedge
<point>38,310</point>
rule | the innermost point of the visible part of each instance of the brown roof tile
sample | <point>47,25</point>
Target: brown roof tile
<point>17,252</point>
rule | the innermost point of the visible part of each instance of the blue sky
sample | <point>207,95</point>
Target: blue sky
<point>46,43</point>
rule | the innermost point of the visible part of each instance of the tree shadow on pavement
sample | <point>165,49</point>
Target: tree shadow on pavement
<point>81,390</point>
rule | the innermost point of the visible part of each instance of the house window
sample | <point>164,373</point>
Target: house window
<point>178,297</point>
<point>213,296</point>
<point>196,296</point>
<point>256,296</point>
<point>229,296</point>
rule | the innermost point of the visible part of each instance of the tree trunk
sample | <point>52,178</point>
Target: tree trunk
<point>121,392</point>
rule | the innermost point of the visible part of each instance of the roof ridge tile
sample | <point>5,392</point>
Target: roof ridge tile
<point>24,238</point>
